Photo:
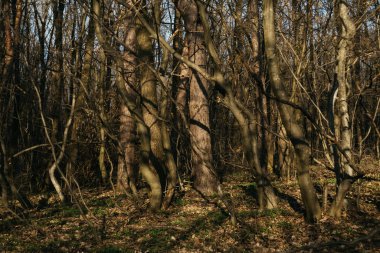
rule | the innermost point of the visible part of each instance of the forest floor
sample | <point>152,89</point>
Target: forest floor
<point>193,224</point>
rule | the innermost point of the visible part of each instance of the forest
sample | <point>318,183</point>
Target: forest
<point>190,126</point>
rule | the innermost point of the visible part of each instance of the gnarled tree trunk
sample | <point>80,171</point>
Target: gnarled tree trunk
<point>127,165</point>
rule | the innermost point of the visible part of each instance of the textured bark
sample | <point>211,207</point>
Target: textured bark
<point>8,58</point>
<point>262,151</point>
<point>168,154</point>
<point>293,130</point>
<point>168,157</point>
<point>205,179</point>
<point>265,192</point>
<point>346,172</point>
<point>104,79</point>
<point>179,79</point>
<point>148,85</point>
<point>6,65</point>
<point>266,197</point>
<point>128,164</point>
<point>181,92</point>
<point>9,101</point>
<point>183,84</point>
<point>147,171</point>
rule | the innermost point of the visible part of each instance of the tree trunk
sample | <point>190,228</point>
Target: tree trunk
<point>80,112</point>
<point>10,102</point>
<point>293,130</point>
<point>146,169</point>
<point>168,154</point>
<point>104,80</point>
<point>127,165</point>
<point>7,63</point>
<point>265,192</point>
<point>148,86</point>
<point>205,179</point>
<point>56,88</point>
<point>346,172</point>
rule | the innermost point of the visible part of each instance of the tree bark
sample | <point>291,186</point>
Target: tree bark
<point>293,130</point>
<point>128,165</point>
<point>346,173</point>
<point>205,179</point>
<point>9,99</point>
<point>150,109</point>
<point>148,172</point>
<point>7,63</point>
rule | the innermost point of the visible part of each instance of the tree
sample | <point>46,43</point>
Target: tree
<point>293,129</point>
<point>343,170</point>
<point>205,179</point>
<point>9,78</point>
<point>127,164</point>
<point>187,90</point>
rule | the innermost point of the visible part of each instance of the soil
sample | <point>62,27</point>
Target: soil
<point>109,223</point>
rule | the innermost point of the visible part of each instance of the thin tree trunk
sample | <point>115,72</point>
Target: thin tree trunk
<point>56,90</point>
<point>347,32</point>
<point>102,83</point>
<point>266,196</point>
<point>168,157</point>
<point>293,130</point>
<point>168,154</point>
<point>80,112</point>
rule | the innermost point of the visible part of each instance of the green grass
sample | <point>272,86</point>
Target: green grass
<point>179,222</point>
<point>100,211</point>
<point>179,202</point>
<point>285,225</point>
<point>331,181</point>
<point>218,217</point>
<point>70,212</point>
<point>264,229</point>
<point>105,202</point>
<point>156,232</point>
<point>272,213</point>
